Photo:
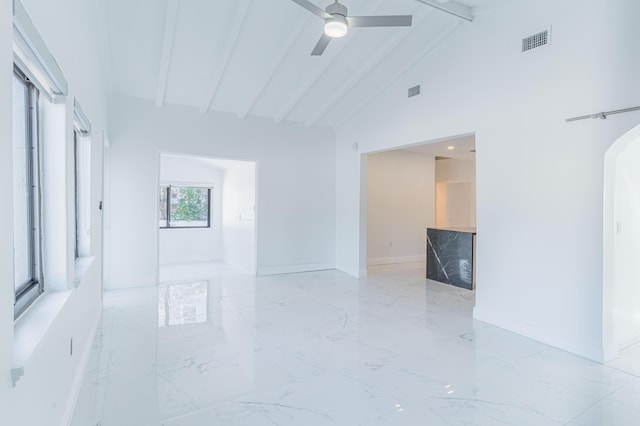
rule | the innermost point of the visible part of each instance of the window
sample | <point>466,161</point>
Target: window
<point>82,161</point>
<point>26,202</point>
<point>185,207</point>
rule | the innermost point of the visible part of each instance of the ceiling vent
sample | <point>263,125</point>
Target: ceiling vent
<point>540,39</point>
<point>413,91</point>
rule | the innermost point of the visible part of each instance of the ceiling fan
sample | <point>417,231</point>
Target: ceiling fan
<point>337,22</point>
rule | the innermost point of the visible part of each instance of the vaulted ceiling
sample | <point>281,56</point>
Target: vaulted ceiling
<point>252,57</point>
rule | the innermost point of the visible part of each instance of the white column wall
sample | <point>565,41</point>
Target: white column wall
<point>238,216</point>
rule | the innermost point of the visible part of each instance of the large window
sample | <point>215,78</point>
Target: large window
<point>185,207</point>
<point>26,203</point>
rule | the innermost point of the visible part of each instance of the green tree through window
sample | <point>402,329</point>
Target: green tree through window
<point>184,207</point>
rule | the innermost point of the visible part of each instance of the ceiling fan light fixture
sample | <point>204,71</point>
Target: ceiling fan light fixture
<point>336,27</point>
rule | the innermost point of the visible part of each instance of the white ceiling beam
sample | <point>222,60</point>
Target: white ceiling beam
<point>105,51</point>
<point>227,51</point>
<point>313,78</point>
<point>366,67</point>
<point>450,7</point>
<point>278,58</point>
<point>167,46</point>
<point>429,47</point>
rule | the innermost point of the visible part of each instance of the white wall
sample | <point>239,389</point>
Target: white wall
<point>51,374</point>
<point>295,175</point>
<point>622,243</point>
<point>627,245</point>
<point>453,175</point>
<point>238,215</point>
<point>539,179</point>
<point>198,244</point>
<point>400,206</point>
<point>6,214</point>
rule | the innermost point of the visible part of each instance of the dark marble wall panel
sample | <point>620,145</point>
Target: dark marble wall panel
<point>450,257</point>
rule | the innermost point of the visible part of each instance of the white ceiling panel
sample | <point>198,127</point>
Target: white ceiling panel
<point>263,33</point>
<point>200,35</point>
<point>252,57</point>
<point>135,29</point>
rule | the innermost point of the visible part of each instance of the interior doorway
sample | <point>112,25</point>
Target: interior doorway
<point>206,217</point>
<point>409,189</point>
<point>621,295</point>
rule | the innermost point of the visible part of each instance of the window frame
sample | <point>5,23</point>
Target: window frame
<point>27,293</point>
<point>168,206</point>
<point>82,192</point>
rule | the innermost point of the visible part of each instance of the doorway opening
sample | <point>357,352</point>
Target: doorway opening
<point>409,189</point>
<point>621,295</point>
<point>206,217</point>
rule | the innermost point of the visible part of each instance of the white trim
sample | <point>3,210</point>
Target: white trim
<point>292,269</point>
<point>398,259</point>
<point>74,394</point>
<point>80,119</point>
<point>31,50</point>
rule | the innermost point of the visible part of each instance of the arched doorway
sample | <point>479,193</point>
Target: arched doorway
<point>621,289</point>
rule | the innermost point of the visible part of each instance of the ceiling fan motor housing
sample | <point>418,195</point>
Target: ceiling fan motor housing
<point>337,9</point>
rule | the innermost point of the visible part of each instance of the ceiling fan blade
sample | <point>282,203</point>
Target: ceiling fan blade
<point>321,46</point>
<point>380,21</point>
<point>313,8</point>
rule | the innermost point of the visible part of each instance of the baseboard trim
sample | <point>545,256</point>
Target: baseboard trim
<point>74,394</point>
<point>398,259</point>
<point>292,269</point>
<point>566,343</point>
<point>191,260</point>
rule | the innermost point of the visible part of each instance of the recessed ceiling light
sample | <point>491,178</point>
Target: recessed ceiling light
<point>450,148</point>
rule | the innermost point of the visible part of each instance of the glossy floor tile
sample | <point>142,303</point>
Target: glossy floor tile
<point>323,348</point>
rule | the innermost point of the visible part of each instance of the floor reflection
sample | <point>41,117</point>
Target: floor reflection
<point>183,303</point>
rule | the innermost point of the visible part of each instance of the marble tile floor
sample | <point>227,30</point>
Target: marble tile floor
<point>323,348</point>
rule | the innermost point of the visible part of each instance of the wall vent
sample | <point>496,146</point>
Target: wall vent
<point>413,91</point>
<point>438,158</point>
<point>537,40</point>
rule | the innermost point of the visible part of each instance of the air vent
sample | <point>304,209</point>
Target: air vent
<point>438,158</point>
<point>413,91</point>
<point>537,40</point>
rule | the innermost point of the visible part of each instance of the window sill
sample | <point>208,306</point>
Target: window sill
<point>32,326</point>
<point>82,265</point>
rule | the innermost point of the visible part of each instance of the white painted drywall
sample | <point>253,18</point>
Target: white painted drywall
<point>198,244</point>
<point>400,206</point>
<point>622,243</point>
<point>51,375</point>
<point>238,215</point>
<point>455,193</point>
<point>295,184</point>
<point>6,214</point>
<point>539,179</point>
<point>627,245</point>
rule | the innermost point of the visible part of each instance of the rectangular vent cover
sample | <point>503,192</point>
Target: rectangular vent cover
<point>414,91</point>
<point>537,40</point>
